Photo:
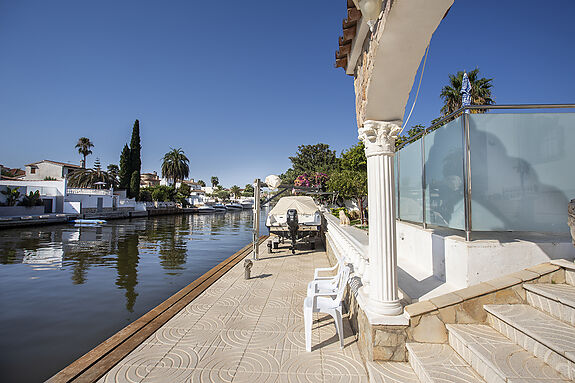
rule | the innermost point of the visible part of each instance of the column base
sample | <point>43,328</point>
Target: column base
<point>390,308</point>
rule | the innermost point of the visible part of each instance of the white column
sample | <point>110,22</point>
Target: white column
<point>379,139</point>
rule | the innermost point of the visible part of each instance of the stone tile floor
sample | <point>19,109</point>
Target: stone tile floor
<point>248,331</point>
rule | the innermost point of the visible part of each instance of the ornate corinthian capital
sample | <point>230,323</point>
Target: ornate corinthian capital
<point>379,136</point>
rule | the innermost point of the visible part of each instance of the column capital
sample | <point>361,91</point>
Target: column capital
<point>379,136</point>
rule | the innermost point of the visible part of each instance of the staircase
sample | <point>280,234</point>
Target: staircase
<point>521,343</point>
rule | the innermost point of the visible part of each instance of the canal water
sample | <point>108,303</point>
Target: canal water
<point>65,289</point>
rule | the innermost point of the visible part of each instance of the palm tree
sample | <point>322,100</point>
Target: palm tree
<point>215,181</point>
<point>175,165</point>
<point>84,144</point>
<point>480,92</point>
<point>114,172</point>
<point>235,191</point>
<point>87,178</point>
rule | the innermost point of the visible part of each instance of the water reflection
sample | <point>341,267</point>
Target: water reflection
<point>72,287</point>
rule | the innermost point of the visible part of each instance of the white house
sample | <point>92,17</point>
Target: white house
<point>49,169</point>
<point>51,192</point>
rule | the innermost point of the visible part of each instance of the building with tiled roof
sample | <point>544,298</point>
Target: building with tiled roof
<point>47,169</point>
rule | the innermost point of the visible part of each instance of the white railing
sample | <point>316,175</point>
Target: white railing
<point>162,205</point>
<point>350,244</point>
<point>89,191</point>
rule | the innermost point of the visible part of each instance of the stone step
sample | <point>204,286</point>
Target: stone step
<point>558,300</point>
<point>569,267</point>
<point>549,339</point>
<point>439,363</point>
<point>496,358</point>
<point>390,372</point>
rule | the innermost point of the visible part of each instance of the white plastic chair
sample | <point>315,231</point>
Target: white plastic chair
<point>316,272</point>
<point>326,284</point>
<point>327,303</point>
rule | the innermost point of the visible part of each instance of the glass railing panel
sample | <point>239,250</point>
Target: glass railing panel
<point>410,193</point>
<point>522,171</point>
<point>444,176</point>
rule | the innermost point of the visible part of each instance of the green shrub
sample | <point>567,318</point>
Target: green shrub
<point>335,211</point>
<point>32,199</point>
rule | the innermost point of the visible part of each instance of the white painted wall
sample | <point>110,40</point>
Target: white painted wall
<point>448,258</point>
<point>90,201</point>
<point>54,190</point>
<point>47,169</point>
<point>72,207</point>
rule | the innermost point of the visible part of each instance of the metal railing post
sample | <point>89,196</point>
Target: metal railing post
<point>423,217</point>
<point>256,212</point>
<point>467,176</point>
<point>398,190</point>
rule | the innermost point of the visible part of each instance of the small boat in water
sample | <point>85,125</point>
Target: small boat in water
<point>247,204</point>
<point>205,209</point>
<point>219,207</point>
<point>88,221</point>
<point>234,206</point>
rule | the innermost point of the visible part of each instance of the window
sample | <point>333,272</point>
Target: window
<point>33,170</point>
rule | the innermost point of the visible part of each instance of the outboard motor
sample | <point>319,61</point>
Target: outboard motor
<point>293,226</point>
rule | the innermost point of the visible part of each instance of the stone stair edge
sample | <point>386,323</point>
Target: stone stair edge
<point>485,365</point>
<point>529,333</point>
<point>480,289</point>
<point>563,263</point>
<point>540,289</point>
<point>456,329</point>
<point>418,364</point>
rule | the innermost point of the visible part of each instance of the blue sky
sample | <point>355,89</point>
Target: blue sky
<point>238,85</point>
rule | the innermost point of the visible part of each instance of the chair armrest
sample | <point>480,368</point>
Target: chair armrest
<point>319,269</point>
<point>314,296</point>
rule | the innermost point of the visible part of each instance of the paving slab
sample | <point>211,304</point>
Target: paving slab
<point>248,331</point>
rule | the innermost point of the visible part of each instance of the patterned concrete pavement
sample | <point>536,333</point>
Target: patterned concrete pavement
<point>248,331</point>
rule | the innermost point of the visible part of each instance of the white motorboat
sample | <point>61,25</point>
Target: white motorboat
<point>234,206</point>
<point>219,207</point>
<point>247,204</point>
<point>205,209</point>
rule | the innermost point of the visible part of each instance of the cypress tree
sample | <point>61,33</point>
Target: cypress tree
<point>135,148</point>
<point>125,172</point>
<point>135,185</point>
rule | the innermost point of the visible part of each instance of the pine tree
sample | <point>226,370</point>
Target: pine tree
<point>125,172</point>
<point>135,184</point>
<point>135,148</point>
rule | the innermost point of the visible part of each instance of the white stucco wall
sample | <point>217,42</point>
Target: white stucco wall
<point>47,169</point>
<point>447,257</point>
<point>53,190</point>
<point>90,201</point>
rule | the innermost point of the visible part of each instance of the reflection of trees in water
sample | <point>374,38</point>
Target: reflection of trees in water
<point>85,247</point>
<point>127,266</point>
<point>170,234</point>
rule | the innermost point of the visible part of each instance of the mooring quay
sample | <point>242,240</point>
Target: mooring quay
<point>224,328</point>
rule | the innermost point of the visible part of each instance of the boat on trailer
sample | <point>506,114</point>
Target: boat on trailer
<point>296,218</point>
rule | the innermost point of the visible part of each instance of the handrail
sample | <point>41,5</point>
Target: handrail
<point>472,107</point>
